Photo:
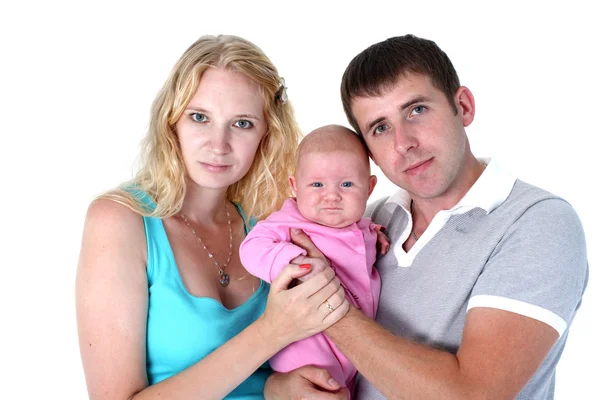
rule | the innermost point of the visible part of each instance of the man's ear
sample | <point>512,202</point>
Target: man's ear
<point>465,104</point>
<point>372,183</point>
<point>292,181</point>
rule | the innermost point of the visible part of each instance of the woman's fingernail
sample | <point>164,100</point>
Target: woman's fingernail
<point>305,266</point>
<point>295,230</point>
<point>332,382</point>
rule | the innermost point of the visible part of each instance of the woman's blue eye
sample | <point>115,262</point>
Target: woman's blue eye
<point>198,117</point>
<point>346,184</point>
<point>316,184</point>
<point>244,124</point>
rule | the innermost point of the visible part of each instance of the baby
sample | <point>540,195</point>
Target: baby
<point>332,183</point>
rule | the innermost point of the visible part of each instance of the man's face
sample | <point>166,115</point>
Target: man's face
<point>415,137</point>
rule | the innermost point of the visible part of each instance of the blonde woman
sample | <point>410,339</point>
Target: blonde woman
<point>164,306</point>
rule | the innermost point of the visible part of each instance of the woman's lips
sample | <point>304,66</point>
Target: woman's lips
<point>215,167</point>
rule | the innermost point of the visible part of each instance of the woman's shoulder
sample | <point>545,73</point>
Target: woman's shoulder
<point>114,222</point>
<point>109,211</point>
<point>249,221</point>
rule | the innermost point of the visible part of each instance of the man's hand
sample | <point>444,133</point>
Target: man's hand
<point>383,242</point>
<point>307,383</point>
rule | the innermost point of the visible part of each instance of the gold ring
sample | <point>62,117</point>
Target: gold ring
<point>328,306</point>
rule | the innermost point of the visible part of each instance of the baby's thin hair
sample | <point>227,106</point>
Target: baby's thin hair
<point>332,138</point>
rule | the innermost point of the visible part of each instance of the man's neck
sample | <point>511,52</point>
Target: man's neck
<point>424,210</point>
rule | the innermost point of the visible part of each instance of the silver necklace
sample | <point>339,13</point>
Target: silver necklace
<point>223,277</point>
<point>412,231</point>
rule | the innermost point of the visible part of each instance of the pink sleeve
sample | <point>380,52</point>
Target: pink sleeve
<point>265,251</point>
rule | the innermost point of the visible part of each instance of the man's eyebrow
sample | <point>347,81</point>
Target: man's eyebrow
<point>375,122</point>
<point>403,106</point>
<point>418,99</point>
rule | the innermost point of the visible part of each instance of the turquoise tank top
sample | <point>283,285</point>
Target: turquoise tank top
<point>183,329</point>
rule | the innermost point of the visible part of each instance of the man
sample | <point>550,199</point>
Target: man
<point>486,273</point>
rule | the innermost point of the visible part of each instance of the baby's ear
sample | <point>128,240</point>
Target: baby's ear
<point>372,183</point>
<point>292,180</point>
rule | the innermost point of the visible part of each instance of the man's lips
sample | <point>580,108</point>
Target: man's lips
<point>418,167</point>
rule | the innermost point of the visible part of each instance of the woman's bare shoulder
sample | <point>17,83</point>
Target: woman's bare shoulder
<point>109,223</point>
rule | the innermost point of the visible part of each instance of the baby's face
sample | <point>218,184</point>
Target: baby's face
<point>332,188</point>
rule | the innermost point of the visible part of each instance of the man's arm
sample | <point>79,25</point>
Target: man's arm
<point>500,352</point>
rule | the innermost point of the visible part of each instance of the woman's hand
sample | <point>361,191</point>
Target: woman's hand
<point>301,239</point>
<point>316,265</point>
<point>308,382</point>
<point>300,312</point>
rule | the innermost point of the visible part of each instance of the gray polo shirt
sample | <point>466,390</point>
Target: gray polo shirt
<point>506,245</point>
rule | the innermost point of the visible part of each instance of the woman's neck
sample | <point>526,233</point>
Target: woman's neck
<point>202,205</point>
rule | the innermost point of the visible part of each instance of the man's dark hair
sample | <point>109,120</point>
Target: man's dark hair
<point>377,69</point>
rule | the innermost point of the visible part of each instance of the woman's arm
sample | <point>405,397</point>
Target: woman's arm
<point>112,301</point>
<point>112,307</point>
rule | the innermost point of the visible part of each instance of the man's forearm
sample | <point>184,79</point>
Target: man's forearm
<point>396,367</point>
<point>499,353</point>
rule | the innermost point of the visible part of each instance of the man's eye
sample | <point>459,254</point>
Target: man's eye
<point>346,184</point>
<point>198,117</point>
<point>380,129</point>
<point>418,110</point>
<point>316,184</point>
<point>244,124</point>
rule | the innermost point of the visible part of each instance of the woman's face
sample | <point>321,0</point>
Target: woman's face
<point>221,128</point>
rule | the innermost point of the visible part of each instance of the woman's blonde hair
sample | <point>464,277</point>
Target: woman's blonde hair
<point>162,174</point>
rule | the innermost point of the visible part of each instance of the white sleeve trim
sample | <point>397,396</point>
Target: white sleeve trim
<point>520,307</point>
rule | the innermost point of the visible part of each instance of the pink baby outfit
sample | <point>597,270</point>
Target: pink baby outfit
<point>351,250</point>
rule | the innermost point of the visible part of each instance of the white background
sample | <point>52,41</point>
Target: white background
<point>77,81</point>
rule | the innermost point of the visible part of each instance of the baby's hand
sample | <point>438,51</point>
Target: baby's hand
<point>383,242</point>
<point>317,265</point>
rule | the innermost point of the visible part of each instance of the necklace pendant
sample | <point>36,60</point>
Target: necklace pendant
<point>223,277</point>
<point>224,280</point>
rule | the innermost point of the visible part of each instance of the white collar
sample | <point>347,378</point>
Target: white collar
<point>488,192</point>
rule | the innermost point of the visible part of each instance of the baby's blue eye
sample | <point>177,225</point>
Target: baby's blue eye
<point>198,117</point>
<point>316,184</point>
<point>244,124</point>
<point>346,184</point>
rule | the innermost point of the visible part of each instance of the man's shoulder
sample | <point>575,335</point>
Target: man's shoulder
<point>374,208</point>
<point>524,189</point>
<point>531,210</point>
<point>525,195</point>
